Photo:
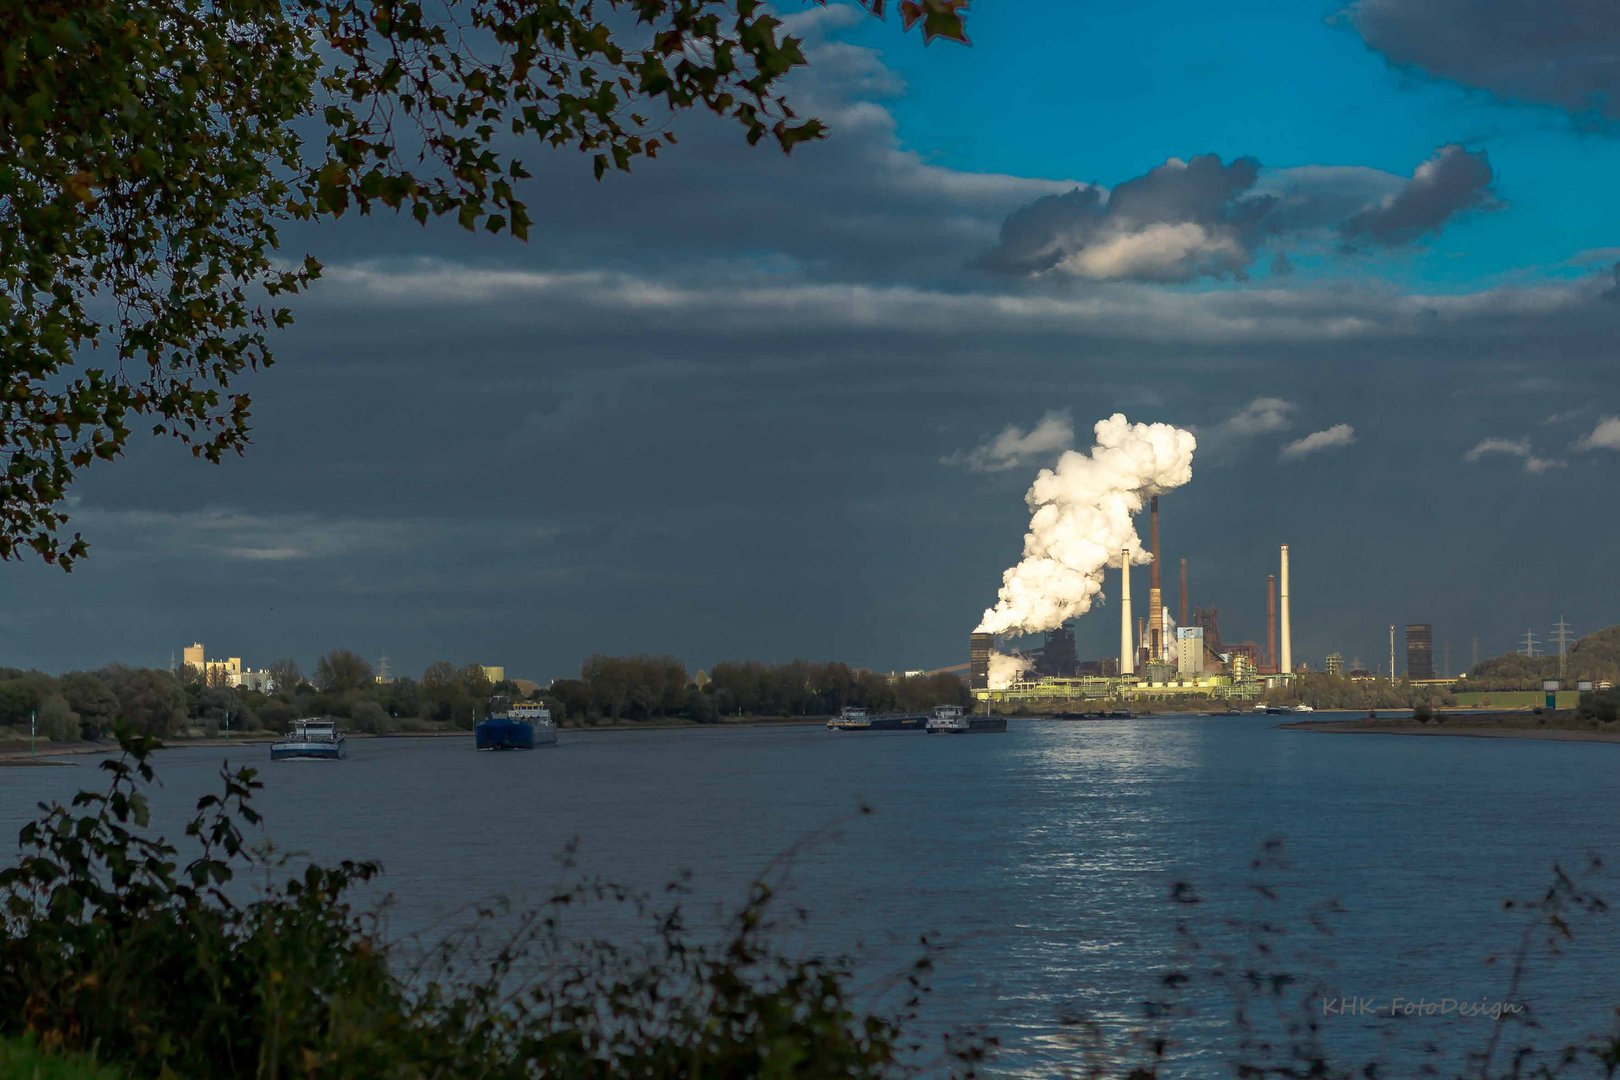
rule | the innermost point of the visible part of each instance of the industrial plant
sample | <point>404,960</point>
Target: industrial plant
<point>1160,656</point>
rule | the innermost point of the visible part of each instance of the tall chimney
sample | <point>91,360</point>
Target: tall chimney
<point>1287,635</point>
<point>1127,652</point>
<point>1271,621</point>
<point>1183,620</point>
<point>1155,593</point>
<point>1141,639</point>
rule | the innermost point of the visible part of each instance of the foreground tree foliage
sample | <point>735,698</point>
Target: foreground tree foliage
<point>111,943</point>
<point>151,149</point>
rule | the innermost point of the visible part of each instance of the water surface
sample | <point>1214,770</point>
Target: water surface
<point>1043,856</point>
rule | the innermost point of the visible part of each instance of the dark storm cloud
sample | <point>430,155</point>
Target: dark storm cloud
<point>525,467</point>
<point>1181,220</point>
<point>858,205</point>
<point>1564,53</point>
<point>1186,220</point>
<point>1452,182</point>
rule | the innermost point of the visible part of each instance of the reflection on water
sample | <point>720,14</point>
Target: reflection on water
<point>1044,856</point>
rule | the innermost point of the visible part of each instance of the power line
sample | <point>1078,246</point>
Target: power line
<point>1561,629</point>
<point>1530,643</point>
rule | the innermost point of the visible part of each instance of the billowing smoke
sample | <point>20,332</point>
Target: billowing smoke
<point>1080,520</point>
<point>1004,670</point>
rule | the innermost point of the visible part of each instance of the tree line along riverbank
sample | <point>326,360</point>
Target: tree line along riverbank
<point>609,691</point>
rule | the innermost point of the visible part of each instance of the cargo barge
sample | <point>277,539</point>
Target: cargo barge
<point>953,720</point>
<point>854,719</point>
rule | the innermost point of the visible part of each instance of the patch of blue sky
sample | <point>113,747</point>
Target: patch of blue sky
<point>1102,93</point>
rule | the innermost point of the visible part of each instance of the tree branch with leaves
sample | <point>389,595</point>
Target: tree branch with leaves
<point>150,151</point>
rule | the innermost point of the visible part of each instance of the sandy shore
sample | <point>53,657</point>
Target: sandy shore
<point>1550,727</point>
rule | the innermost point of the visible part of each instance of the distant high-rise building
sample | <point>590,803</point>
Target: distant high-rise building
<point>1419,651</point>
<point>1335,663</point>
<point>228,672</point>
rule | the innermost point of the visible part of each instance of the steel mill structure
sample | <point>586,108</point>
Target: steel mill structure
<point>1158,657</point>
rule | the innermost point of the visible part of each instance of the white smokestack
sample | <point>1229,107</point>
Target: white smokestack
<point>1287,664</point>
<point>1127,654</point>
<point>1080,515</point>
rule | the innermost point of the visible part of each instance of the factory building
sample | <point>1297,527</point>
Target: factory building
<point>1057,658</point>
<point>1419,651</point>
<point>1248,651</point>
<point>979,649</point>
<point>1189,650</point>
<point>1158,657</point>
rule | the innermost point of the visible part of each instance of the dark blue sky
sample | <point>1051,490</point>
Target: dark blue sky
<point>726,407</point>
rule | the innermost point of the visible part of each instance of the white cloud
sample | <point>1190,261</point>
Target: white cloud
<point>1519,448</point>
<point>504,298</point>
<point>263,554</point>
<point>1498,446</point>
<point>1327,439</point>
<point>1606,436</point>
<point>1261,417</point>
<point>1013,446</point>
<point>1155,253</point>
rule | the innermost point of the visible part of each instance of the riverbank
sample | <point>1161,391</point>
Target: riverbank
<point>663,724</point>
<point>693,725</point>
<point>62,753</point>
<point>1562,726</point>
<point>53,753</point>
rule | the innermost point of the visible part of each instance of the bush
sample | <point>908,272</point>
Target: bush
<point>57,721</point>
<point>277,716</point>
<point>1422,713</point>
<point>1601,705</point>
<point>369,718</point>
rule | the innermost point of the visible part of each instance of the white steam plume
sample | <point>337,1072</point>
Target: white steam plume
<point>1004,670</point>
<point>1080,519</point>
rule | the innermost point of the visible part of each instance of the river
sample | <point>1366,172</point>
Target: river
<point>1043,858</point>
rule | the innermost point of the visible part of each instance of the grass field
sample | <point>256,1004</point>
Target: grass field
<point>1514,699</point>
